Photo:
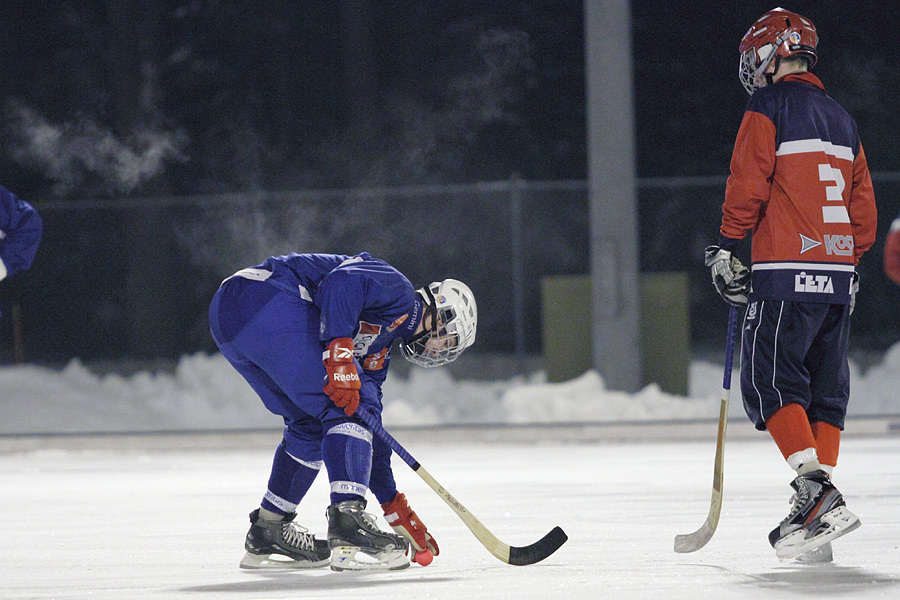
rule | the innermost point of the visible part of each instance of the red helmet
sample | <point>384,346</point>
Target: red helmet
<point>777,34</point>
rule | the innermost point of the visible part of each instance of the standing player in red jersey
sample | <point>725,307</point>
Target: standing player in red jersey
<point>800,183</point>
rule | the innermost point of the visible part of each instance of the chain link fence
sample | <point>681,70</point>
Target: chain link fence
<point>131,279</point>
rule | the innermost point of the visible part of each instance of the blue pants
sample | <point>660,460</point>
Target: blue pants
<point>795,352</point>
<point>272,339</point>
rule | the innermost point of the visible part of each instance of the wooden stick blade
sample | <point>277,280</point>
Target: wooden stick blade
<point>511,555</point>
<point>538,551</point>
<point>526,555</point>
<point>691,542</point>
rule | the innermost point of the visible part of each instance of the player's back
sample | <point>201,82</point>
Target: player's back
<point>803,243</point>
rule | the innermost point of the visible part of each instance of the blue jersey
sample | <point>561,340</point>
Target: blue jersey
<point>358,297</point>
<point>272,323</point>
<point>20,232</point>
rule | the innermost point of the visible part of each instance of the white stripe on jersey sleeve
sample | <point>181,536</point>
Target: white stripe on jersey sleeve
<point>814,145</point>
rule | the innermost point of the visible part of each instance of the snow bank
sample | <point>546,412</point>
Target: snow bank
<point>205,393</point>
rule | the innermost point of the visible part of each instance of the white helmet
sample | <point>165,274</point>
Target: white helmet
<point>453,310</point>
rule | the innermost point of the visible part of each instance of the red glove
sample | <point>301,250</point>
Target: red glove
<point>342,384</point>
<point>407,523</point>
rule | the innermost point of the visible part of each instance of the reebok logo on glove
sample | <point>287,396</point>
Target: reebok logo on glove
<point>342,383</point>
<point>341,353</point>
<point>338,376</point>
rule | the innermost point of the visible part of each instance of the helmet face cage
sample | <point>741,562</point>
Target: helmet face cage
<point>453,326</point>
<point>777,34</point>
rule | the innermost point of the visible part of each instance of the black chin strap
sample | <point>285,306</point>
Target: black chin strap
<point>770,77</point>
<point>430,307</point>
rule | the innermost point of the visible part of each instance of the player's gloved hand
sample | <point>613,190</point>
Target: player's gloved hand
<point>342,379</point>
<point>729,276</point>
<point>407,523</point>
<point>854,288</point>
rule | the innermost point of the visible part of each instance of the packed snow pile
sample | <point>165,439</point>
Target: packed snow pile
<point>205,393</point>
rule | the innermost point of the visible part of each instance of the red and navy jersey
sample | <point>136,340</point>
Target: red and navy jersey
<point>800,183</point>
<point>20,232</point>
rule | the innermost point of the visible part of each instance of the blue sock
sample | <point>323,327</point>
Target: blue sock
<point>347,453</point>
<point>382,481</point>
<point>289,481</point>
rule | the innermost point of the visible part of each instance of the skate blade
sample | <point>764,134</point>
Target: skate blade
<point>276,562</point>
<point>353,558</point>
<point>818,556</point>
<point>840,521</point>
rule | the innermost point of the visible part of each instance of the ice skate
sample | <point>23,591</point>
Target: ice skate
<point>357,544</point>
<point>818,516</point>
<point>282,545</point>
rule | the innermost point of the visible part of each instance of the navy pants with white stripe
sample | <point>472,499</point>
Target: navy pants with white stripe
<point>795,352</point>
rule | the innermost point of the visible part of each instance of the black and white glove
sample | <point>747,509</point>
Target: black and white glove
<point>729,276</point>
<point>854,288</point>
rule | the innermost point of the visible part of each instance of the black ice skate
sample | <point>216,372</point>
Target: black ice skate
<point>818,515</point>
<point>358,544</point>
<point>282,545</point>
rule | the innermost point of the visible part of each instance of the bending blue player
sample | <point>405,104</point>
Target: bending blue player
<point>312,334</point>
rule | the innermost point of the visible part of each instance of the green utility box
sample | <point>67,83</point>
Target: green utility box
<point>664,328</point>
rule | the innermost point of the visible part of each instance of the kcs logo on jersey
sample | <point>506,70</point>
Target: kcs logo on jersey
<point>841,245</point>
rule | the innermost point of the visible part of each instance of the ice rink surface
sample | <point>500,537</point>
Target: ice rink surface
<point>167,520</point>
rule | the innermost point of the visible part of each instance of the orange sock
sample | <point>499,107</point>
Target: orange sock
<point>828,442</point>
<point>790,429</point>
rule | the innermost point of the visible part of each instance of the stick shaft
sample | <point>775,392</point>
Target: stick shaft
<point>691,542</point>
<point>508,554</point>
<point>489,540</point>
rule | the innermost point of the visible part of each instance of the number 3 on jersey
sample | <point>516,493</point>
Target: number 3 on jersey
<point>833,193</point>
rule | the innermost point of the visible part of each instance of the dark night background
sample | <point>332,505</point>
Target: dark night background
<point>142,130</point>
